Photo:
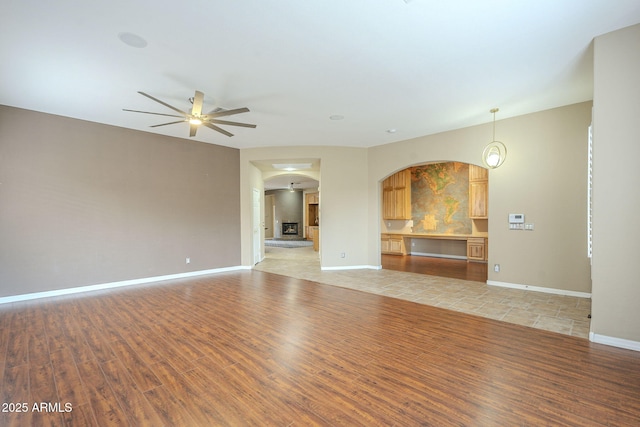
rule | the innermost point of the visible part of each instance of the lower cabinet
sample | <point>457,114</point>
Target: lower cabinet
<point>477,249</point>
<point>391,244</point>
<point>313,233</point>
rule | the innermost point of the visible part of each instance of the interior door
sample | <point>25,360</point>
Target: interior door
<point>268,216</point>
<point>257,226</point>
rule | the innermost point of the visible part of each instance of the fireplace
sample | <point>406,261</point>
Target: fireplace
<point>289,228</point>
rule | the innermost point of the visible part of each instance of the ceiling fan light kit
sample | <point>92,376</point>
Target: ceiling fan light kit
<point>495,152</point>
<point>195,118</point>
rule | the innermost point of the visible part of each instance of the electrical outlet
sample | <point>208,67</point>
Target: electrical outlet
<point>342,254</point>
<point>496,268</point>
<point>188,260</point>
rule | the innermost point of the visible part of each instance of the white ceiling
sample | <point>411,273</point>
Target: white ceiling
<point>420,67</point>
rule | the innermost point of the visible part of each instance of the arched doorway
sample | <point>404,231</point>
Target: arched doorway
<point>287,185</point>
<point>435,220</point>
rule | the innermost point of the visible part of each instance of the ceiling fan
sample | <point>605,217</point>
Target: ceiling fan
<point>195,118</point>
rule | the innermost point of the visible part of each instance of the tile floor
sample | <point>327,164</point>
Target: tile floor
<point>557,313</point>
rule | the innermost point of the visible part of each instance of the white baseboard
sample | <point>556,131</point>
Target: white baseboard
<point>540,289</point>
<point>352,267</point>
<point>437,255</point>
<point>614,342</point>
<point>88,288</point>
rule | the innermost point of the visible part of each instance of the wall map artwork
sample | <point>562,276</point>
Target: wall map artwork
<point>440,198</point>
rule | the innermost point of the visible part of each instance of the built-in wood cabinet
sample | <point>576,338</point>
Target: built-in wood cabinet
<point>396,196</point>
<point>477,249</point>
<point>312,214</point>
<point>313,198</point>
<point>478,192</point>
<point>392,244</point>
<point>316,238</point>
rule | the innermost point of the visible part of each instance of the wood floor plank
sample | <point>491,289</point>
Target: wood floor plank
<point>4,340</point>
<point>67,379</point>
<point>37,347</point>
<point>131,399</point>
<point>81,416</point>
<point>56,339</point>
<point>249,381</point>
<point>15,390</point>
<point>17,352</point>
<point>167,349</point>
<point>95,338</point>
<point>105,406</point>
<point>223,401</point>
<point>192,398</point>
<point>141,373</point>
<point>168,407</point>
<point>42,386</point>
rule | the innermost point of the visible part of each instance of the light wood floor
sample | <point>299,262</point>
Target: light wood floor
<point>256,348</point>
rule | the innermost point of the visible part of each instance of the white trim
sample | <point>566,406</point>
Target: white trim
<point>540,289</point>
<point>100,286</point>
<point>353,267</point>
<point>614,342</point>
<point>438,255</point>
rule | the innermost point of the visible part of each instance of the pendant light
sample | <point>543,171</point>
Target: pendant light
<point>495,152</point>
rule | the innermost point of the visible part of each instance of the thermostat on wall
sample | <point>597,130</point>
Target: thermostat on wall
<point>516,221</point>
<point>516,218</point>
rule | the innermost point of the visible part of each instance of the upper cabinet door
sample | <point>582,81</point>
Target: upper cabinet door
<point>478,192</point>
<point>478,173</point>
<point>396,196</point>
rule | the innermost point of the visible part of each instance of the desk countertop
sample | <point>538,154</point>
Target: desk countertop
<point>434,236</point>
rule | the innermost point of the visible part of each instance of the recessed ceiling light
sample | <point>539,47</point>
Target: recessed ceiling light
<point>336,117</point>
<point>291,166</point>
<point>132,40</point>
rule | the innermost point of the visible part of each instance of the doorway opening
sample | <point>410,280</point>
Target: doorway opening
<point>435,220</point>
<point>291,199</point>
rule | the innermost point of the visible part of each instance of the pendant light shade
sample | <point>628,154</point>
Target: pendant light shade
<point>495,152</point>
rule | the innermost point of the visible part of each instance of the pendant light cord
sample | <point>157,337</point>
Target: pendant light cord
<point>494,111</point>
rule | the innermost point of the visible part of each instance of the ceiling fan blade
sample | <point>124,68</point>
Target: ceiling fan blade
<point>227,112</point>
<point>196,110</point>
<point>163,103</point>
<point>170,123</point>
<point>149,112</point>
<point>192,129</point>
<point>224,122</point>
<point>216,128</point>
<point>215,110</point>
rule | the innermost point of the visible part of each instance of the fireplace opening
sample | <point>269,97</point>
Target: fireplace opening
<point>290,228</point>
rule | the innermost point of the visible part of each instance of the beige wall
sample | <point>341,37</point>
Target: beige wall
<point>544,177</point>
<point>616,179</point>
<point>83,203</point>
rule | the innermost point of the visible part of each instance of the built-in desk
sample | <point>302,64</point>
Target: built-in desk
<point>459,246</point>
